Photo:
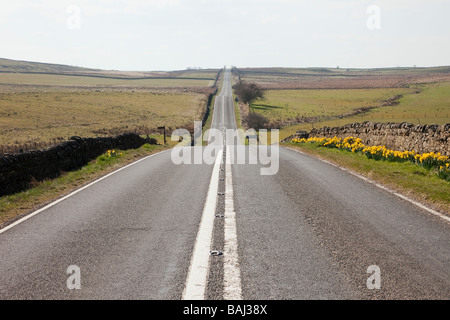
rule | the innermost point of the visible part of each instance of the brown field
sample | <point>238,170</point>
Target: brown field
<point>323,78</point>
<point>36,118</point>
<point>44,104</point>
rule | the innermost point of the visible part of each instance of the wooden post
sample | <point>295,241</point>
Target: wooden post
<point>163,128</point>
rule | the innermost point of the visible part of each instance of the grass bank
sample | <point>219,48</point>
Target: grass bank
<point>406,178</point>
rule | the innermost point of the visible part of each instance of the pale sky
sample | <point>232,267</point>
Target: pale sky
<point>150,35</point>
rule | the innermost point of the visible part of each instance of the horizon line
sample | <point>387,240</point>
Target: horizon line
<point>218,68</point>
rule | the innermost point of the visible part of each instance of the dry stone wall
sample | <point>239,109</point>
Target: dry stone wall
<point>19,170</point>
<point>395,136</point>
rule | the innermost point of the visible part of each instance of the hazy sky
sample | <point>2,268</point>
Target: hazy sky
<point>176,34</point>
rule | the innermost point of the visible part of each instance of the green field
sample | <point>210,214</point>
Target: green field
<point>287,105</point>
<point>431,105</point>
<point>420,104</point>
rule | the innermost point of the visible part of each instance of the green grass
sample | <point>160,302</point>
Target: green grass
<point>44,192</point>
<point>208,121</point>
<point>238,117</point>
<point>433,100</point>
<point>237,113</point>
<point>415,182</point>
<point>430,106</point>
<point>285,105</point>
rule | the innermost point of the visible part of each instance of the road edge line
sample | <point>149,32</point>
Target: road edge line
<point>418,204</point>
<point>48,206</point>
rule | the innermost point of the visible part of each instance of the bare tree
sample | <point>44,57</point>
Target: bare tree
<point>256,121</point>
<point>248,92</point>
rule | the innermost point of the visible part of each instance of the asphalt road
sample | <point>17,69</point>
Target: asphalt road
<point>310,231</point>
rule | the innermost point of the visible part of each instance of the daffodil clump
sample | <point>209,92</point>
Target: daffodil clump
<point>430,161</point>
<point>310,140</point>
<point>350,143</point>
<point>382,153</point>
<point>113,153</point>
<point>444,172</point>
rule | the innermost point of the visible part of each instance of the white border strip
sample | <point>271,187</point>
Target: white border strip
<point>418,204</point>
<point>74,193</point>
<point>195,287</point>
<point>232,274</point>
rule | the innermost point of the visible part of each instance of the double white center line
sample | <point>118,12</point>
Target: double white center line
<point>197,279</point>
<point>232,275</point>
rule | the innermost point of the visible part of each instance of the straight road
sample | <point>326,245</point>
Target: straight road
<point>131,235</point>
<point>310,231</point>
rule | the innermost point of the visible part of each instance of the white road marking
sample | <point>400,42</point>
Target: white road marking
<point>212,119</point>
<point>73,193</point>
<point>434,212</point>
<point>223,110</point>
<point>195,287</point>
<point>232,275</point>
<point>196,282</point>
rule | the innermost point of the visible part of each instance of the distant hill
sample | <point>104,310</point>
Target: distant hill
<point>17,66</point>
<point>8,65</point>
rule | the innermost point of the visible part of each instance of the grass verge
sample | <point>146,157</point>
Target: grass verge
<point>13,207</point>
<point>406,178</point>
<point>238,117</point>
<point>208,121</point>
